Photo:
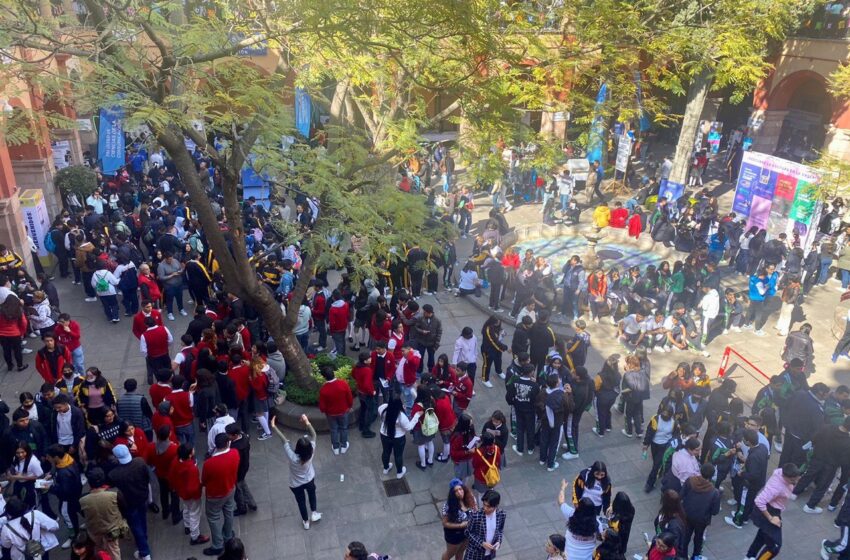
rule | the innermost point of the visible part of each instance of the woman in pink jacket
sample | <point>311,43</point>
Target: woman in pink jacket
<point>13,327</point>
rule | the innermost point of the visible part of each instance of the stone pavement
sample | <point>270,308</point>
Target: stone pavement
<point>356,507</point>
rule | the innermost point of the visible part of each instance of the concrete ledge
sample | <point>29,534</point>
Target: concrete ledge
<point>289,414</point>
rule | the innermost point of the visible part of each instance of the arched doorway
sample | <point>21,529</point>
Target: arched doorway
<point>809,111</point>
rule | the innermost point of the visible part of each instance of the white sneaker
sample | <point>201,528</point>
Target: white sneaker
<point>183,312</point>
<point>264,437</point>
<point>706,354</point>
<point>67,544</point>
<point>315,516</point>
<point>502,375</point>
<point>138,556</point>
<point>814,510</point>
<point>649,350</point>
<point>627,434</point>
<point>517,451</point>
<point>487,384</point>
<point>387,470</point>
<point>33,335</point>
<point>569,456</point>
<point>736,329</point>
<point>171,317</point>
<point>26,350</point>
<point>336,450</point>
<point>731,502</point>
<point>344,449</point>
<point>306,525</point>
<point>91,299</point>
<point>793,497</point>
<point>554,466</point>
<point>402,473</point>
<point>725,331</point>
<point>731,522</point>
<point>759,333</point>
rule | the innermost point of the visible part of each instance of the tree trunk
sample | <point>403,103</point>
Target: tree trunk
<point>697,94</point>
<point>235,267</point>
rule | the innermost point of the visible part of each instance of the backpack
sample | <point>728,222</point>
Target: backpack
<point>102,284</point>
<point>33,549</point>
<point>430,423</point>
<point>129,280</point>
<point>492,476</point>
<point>49,243</point>
<point>274,382</point>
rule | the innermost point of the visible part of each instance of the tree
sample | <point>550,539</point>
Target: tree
<point>170,66</point>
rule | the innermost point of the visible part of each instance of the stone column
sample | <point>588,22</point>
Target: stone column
<point>12,232</point>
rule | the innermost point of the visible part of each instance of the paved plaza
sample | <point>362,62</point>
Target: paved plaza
<point>350,491</point>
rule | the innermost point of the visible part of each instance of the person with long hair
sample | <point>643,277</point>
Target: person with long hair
<point>460,446</point>
<point>444,374</point>
<point>607,387</point>
<point>597,291</point>
<point>455,518</point>
<point>234,549</point>
<point>492,347</point>
<point>671,518</point>
<point>610,548</point>
<point>23,473</point>
<point>424,444</point>
<point>595,484</point>
<point>555,548</point>
<point>582,392</point>
<point>582,525</point>
<point>621,514</point>
<point>260,390</point>
<point>660,430</point>
<point>13,327</point>
<point>95,396</point>
<point>302,475</point>
<point>394,427</point>
<point>25,525</point>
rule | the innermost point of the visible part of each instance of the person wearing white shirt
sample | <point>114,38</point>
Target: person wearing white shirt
<point>157,159</point>
<point>656,337</point>
<point>222,419</point>
<point>95,200</point>
<point>104,283</point>
<point>465,351</point>
<point>566,185</point>
<point>394,427</point>
<point>709,308</point>
<point>631,330</point>
<point>24,526</point>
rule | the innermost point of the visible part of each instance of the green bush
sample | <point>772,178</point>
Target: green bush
<point>76,179</point>
<point>342,369</point>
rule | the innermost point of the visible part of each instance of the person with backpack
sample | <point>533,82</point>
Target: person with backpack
<point>486,464</point>
<point>104,283</point>
<point>128,284</point>
<point>521,394</point>
<point>27,534</point>
<point>67,487</point>
<point>635,390</point>
<point>426,428</point>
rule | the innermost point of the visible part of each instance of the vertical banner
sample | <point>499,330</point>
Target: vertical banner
<point>670,190</point>
<point>36,218</point>
<point>596,141</point>
<point>624,150</point>
<point>303,112</point>
<point>110,140</point>
<point>777,195</point>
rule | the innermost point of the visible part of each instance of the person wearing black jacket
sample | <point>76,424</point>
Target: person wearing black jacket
<point>199,323</point>
<point>750,479</point>
<point>541,338</point>
<point>803,419</point>
<point>831,445</point>
<point>496,276</point>
<point>520,341</point>
<point>701,501</point>
<point>62,406</point>
<point>521,394</point>
<point>239,441</point>
<point>841,545</point>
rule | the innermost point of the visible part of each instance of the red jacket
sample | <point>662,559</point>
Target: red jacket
<point>445,413</point>
<point>389,364</point>
<point>380,332</point>
<point>153,288</point>
<point>42,364</point>
<point>159,393</point>
<point>139,326</point>
<point>364,377</point>
<point>141,441</point>
<point>219,475</point>
<point>70,338</point>
<point>511,261</point>
<point>463,392</point>
<point>260,385</point>
<point>411,364</point>
<point>338,316</point>
<point>12,328</point>
<point>618,218</point>
<point>479,465</point>
<point>182,415</point>
<point>185,479</point>
<point>635,226</point>
<point>161,462</point>
<point>240,375</point>
<point>458,450</point>
<point>159,420</point>
<point>319,307</point>
<point>444,380</point>
<point>335,397</point>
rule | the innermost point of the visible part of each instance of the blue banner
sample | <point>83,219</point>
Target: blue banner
<point>110,139</point>
<point>670,190</point>
<point>303,112</point>
<point>596,140</point>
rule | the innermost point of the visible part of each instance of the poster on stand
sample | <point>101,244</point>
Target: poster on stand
<point>777,195</point>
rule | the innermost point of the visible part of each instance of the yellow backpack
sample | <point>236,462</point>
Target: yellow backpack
<point>492,476</point>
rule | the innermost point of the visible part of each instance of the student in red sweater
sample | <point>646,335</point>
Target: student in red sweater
<point>68,334</point>
<point>162,388</point>
<point>13,327</point>
<point>160,457</point>
<point>447,418</point>
<point>363,376</point>
<point>463,390</point>
<point>240,372</point>
<point>338,314</point>
<point>618,216</point>
<point>219,481</point>
<point>461,445</point>
<point>182,405</point>
<point>383,368</point>
<point>488,453</point>
<point>379,328</point>
<point>51,359</point>
<point>405,375</point>
<point>335,400</point>
<point>135,440</point>
<point>186,481</point>
<point>146,311</point>
<point>155,345</point>
<point>260,387</point>
<point>162,417</point>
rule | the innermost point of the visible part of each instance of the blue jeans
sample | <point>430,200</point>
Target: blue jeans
<point>546,197</point>
<point>110,306</point>
<point>173,293</point>
<point>185,434</point>
<point>823,276</point>
<point>497,200</point>
<point>465,221</point>
<point>565,201</point>
<point>407,397</point>
<point>339,430</point>
<point>845,278</point>
<point>137,519</point>
<point>130,298</point>
<point>303,340</point>
<point>447,182</point>
<point>79,360</point>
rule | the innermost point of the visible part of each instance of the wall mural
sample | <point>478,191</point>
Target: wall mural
<point>558,251</point>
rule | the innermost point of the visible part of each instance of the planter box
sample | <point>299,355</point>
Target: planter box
<point>289,414</point>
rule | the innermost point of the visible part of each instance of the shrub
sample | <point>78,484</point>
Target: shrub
<point>76,179</point>
<point>342,369</point>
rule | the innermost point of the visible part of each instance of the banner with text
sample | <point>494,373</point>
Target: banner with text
<point>110,139</point>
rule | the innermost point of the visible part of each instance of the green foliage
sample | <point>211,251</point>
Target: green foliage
<point>80,180</point>
<point>342,365</point>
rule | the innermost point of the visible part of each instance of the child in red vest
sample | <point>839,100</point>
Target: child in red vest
<point>185,479</point>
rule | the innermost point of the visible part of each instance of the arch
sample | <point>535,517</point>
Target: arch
<point>798,90</point>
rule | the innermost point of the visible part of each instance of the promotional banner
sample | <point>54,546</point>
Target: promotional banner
<point>36,219</point>
<point>596,140</point>
<point>61,153</point>
<point>110,140</point>
<point>303,112</point>
<point>624,150</point>
<point>777,195</point>
<point>670,190</point>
